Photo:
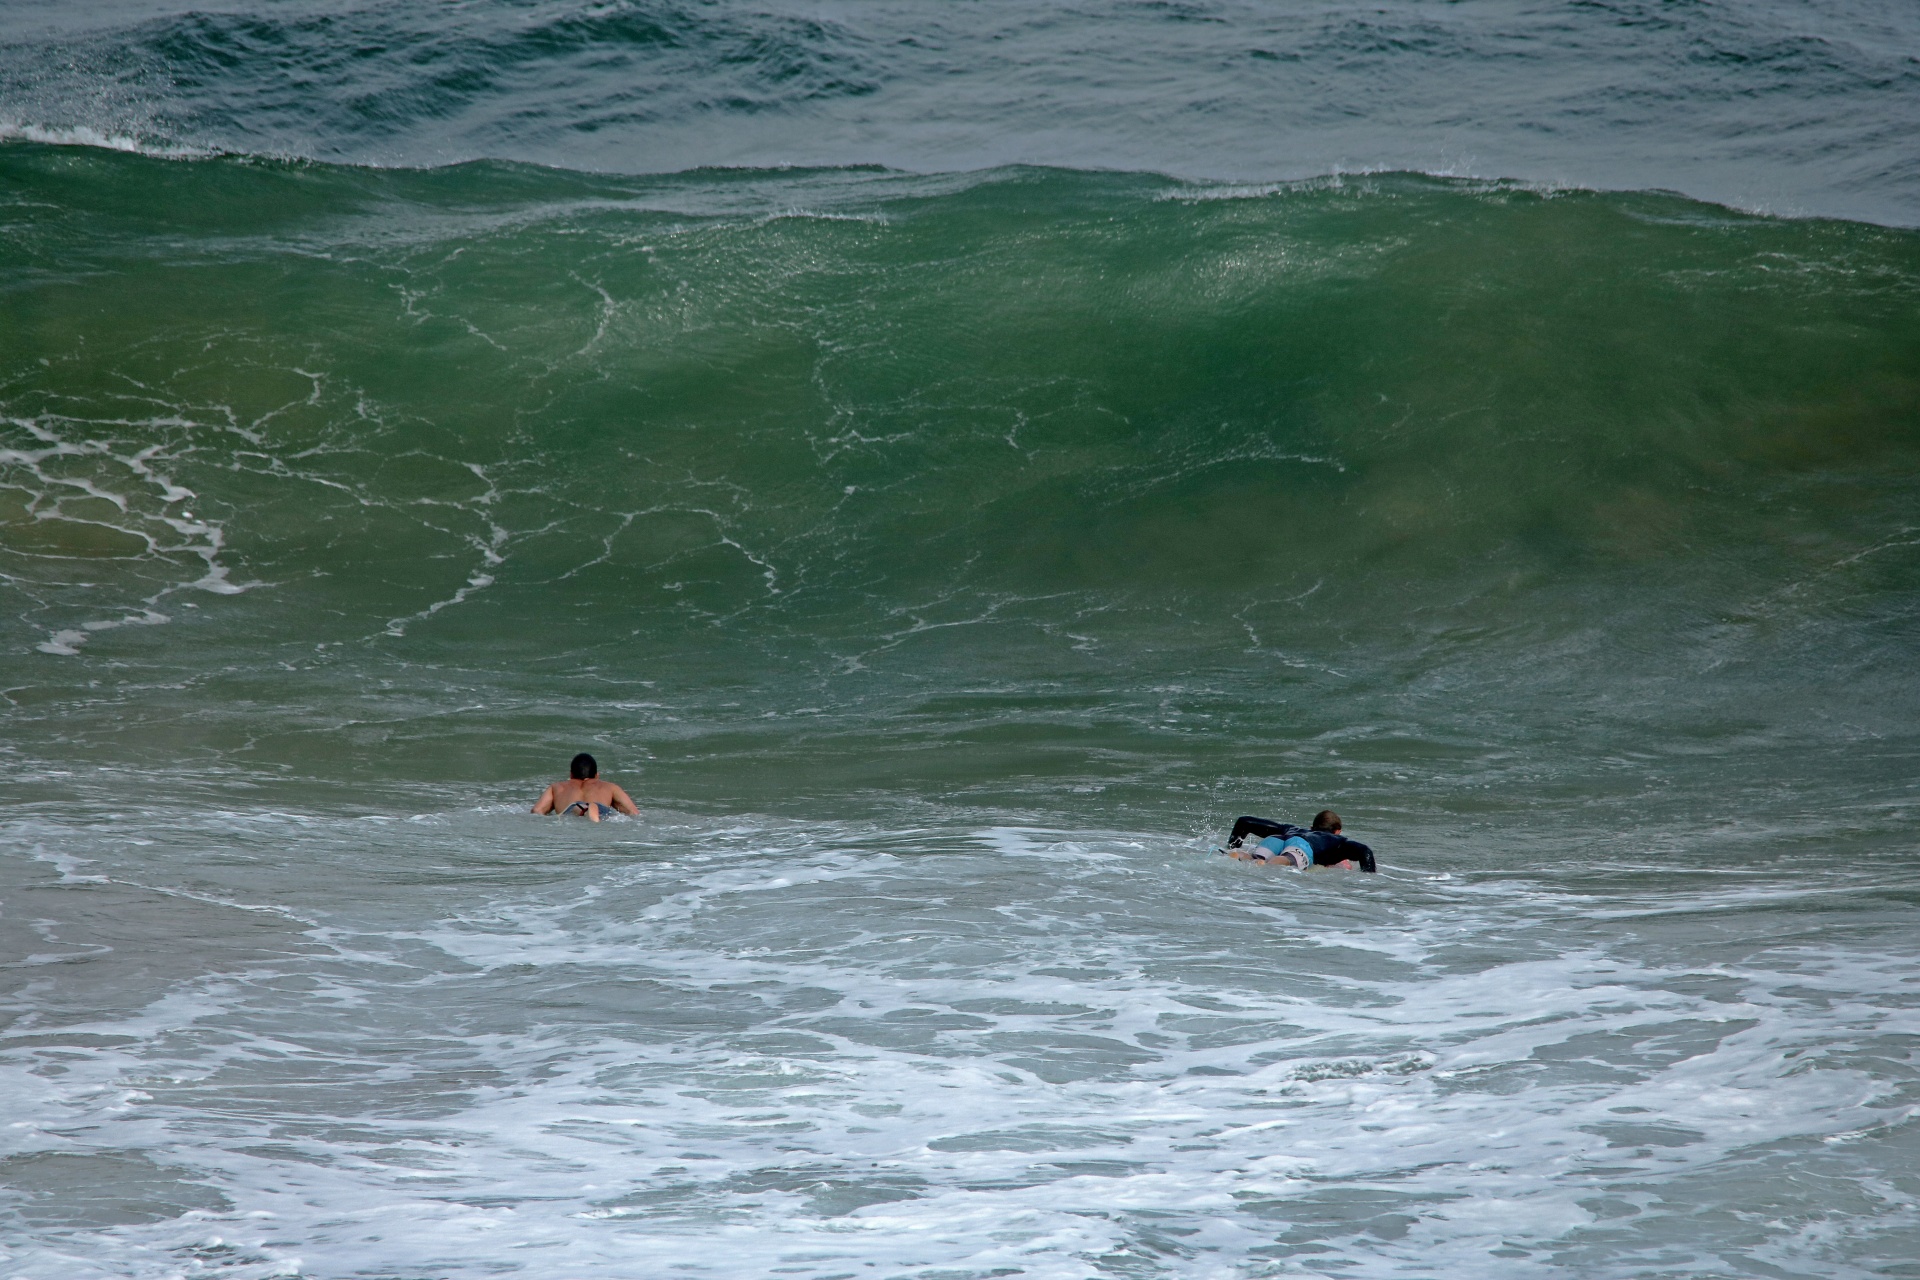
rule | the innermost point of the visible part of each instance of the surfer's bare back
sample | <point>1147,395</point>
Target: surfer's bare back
<point>584,795</point>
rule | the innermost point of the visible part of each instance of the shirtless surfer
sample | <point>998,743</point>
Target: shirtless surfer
<point>584,795</point>
<point>1281,844</point>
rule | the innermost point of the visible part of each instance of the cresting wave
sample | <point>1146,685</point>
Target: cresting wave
<point>947,462</point>
<point>818,401</point>
<point>85,136</point>
<point>943,562</point>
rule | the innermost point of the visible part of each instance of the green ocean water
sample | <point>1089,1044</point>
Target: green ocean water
<point>947,462</point>
<point>838,482</point>
<point>943,563</point>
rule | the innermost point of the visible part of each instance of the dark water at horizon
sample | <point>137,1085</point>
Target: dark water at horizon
<point>1802,108</point>
<point>944,539</point>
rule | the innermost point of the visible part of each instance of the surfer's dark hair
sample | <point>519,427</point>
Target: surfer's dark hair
<point>1325,820</point>
<point>583,766</point>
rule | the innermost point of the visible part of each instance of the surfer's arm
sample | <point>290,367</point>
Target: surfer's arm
<point>624,803</point>
<point>1349,853</point>
<point>545,803</point>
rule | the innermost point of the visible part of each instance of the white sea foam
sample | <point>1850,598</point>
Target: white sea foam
<point>149,513</point>
<point>749,1050</point>
<point>88,136</point>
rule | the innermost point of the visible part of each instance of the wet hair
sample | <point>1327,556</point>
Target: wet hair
<point>1326,820</point>
<point>583,766</point>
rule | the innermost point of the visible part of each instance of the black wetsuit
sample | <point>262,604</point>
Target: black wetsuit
<point>1329,847</point>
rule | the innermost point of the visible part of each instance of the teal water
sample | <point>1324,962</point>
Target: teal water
<point>943,563</point>
<point>936,484</point>
<point>947,464</point>
<point>1789,106</point>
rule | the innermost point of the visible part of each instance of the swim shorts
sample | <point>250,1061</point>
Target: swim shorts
<point>1294,851</point>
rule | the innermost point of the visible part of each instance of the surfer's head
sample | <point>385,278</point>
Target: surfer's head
<point>1325,820</point>
<point>583,766</point>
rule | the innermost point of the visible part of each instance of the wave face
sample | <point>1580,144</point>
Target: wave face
<point>944,562</point>
<point>1346,448</point>
<point>1775,104</point>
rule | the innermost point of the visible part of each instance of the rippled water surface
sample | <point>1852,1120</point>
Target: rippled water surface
<point>1790,105</point>
<point>451,1044</point>
<point>949,462</point>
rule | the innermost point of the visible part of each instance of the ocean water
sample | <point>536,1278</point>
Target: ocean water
<point>948,461</point>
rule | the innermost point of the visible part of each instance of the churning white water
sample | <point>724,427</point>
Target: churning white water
<point>474,1043</point>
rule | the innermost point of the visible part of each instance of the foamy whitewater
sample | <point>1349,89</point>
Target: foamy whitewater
<point>947,463</point>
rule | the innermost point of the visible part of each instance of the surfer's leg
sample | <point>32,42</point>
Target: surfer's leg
<point>1266,852</point>
<point>1297,852</point>
<point>1251,826</point>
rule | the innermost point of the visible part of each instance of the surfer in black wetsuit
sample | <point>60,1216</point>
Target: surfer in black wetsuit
<point>1321,845</point>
